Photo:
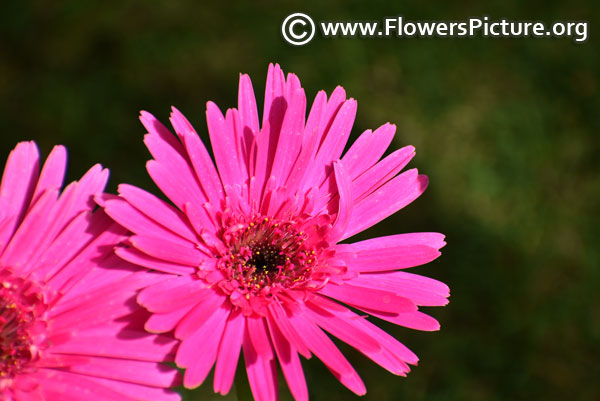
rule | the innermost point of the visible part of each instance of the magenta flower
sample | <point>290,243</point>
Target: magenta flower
<point>252,246</point>
<point>68,327</point>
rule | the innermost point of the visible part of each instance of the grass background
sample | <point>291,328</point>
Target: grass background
<point>507,130</point>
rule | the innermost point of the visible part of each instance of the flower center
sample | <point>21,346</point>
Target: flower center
<point>264,256</point>
<point>21,310</point>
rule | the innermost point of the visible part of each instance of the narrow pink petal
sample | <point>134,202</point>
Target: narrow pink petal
<point>274,88</point>
<point>372,298</point>
<point>310,142</point>
<point>156,129</point>
<point>69,313</point>
<point>247,104</point>
<point>140,258</point>
<point>108,271</point>
<point>335,323</point>
<point>172,293</point>
<point>229,352</point>
<point>392,252</point>
<point>177,188</point>
<point>157,209</point>
<point>30,232</point>
<point>273,114</point>
<point>344,190</point>
<point>382,172</point>
<point>198,352</point>
<point>67,386</point>
<point>262,372</point>
<point>257,332</point>
<point>108,342</point>
<point>175,162</point>
<point>18,182</point>
<point>286,327</point>
<point>289,361</point>
<point>368,149</point>
<point>79,232</point>
<point>181,252</point>
<point>337,135</point>
<point>327,352</point>
<point>334,104</point>
<point>413,320</point>
<point>290,140</point>
<point>421,290</point>
<point>386,201</point>
<point>78,267</point>
<point>390,354</point>
<point>140,372</point>
<point>53,172</point>
<point>124,213</point>
<point>333,144</point>
<point>198,315</point>
<point>81,196</point>
<point>204,167</point>
<point>224,144</point>
<point>136,391</point>
<point>398,349</point>
<point>74,204</point>
<point>165,322</point>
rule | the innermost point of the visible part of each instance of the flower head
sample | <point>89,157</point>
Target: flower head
<point>68,327</point>
<point>252,246</point>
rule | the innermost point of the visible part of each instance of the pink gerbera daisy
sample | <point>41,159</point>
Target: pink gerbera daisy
<point>69,326</point>
<point>252,246</point>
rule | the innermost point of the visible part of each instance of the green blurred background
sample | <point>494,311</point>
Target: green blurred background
<point>507,129</point>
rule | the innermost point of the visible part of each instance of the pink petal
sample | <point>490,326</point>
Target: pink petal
<point>199,157</point>
<point>371,298</point>
<point>159,210</point>
<point>198,352</point>
<point>140,372</point>
<point>180,252</point>
<point>382,172</point>
<point>67,386</point>
<point>225,144</point>
<point>124,213</point>
<point>327,352</point>
<point>257,332</point>
<point>344,190</point>
<point>177,188</point>
<point>30,232</point>
<point>413,320</point>
<point>18,182</point>
<point>336,323</point>
<point>172,293</point>
<point>310,142</point>
<point>290,139</point>
<point>368,149</point>
<point>247,104</point>
<point>419,289</point>
<point>53,172</point>
<point>290,362</point>
<point>108,342</point>
<point>386,201</point>
<point>390,354</point>
<point>136,391</point>
<point>262,372</point>
<point>139,258</point>
<point>165,322</point>
<point>195,319</point>
<point>229,352</point>
<point>392,252</point>
<point>288,330</point>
